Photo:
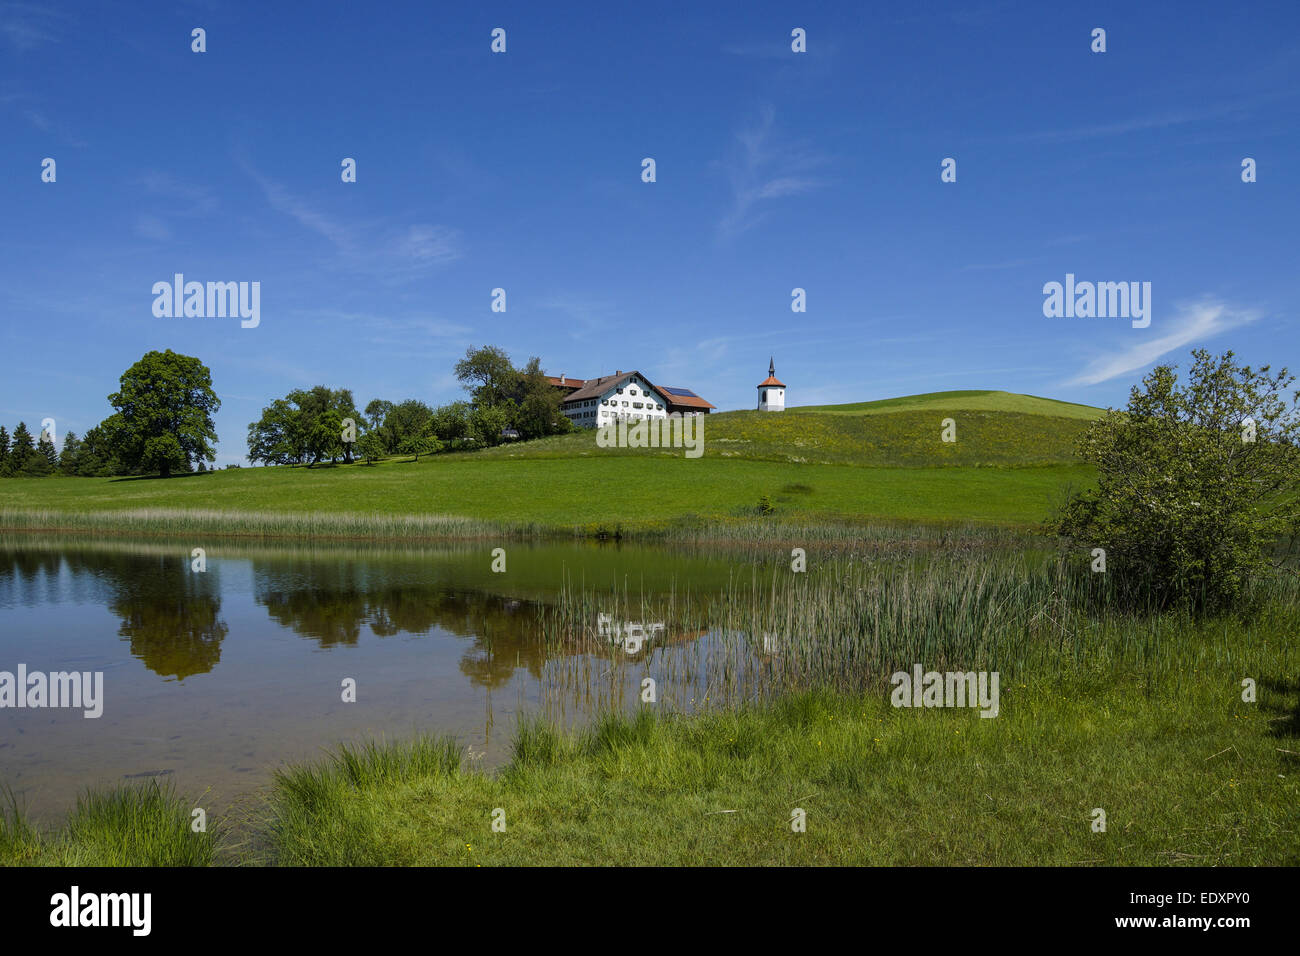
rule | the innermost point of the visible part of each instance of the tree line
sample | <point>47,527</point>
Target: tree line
<point>312,426</point>
<point>162,422</point>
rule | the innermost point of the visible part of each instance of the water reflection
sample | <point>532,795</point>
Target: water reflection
<point>438,642</point>
<point>170,615</point>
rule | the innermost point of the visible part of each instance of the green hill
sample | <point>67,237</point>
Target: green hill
<point>984,401</point>
<point>993,429</point>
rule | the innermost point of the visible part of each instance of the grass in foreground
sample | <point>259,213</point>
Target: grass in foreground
<point>1186,772</point>
<point>1191,784</point>
<point>145,825</point>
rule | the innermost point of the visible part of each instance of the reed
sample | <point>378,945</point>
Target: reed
<point>146,825</point>
<point>851,621</point>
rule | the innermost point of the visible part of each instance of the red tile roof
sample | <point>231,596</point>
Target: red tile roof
<point>688,401</point>
<point>569,382</point>
<point>771,380</point>
<point>595,387</point>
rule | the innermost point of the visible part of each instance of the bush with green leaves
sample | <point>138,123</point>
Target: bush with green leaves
<point>1198,485</point>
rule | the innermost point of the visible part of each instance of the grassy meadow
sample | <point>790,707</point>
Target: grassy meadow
<point>1008,467</point>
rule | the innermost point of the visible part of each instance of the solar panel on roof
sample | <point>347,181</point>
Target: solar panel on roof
<point>681,391</point>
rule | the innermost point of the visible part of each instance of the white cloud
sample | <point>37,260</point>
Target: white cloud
<point>1191,323</point>
<point>763,170</point>
<point>425,243</point>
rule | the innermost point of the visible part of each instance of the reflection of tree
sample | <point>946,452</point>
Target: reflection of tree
<point>170,614</point>
<point>329,617</point>
<point>28,577</point>
<point>331,602</point>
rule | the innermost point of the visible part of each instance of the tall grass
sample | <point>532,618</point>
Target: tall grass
<point>850,622</point>
<point>269,524</point>
<point>742,532</point>
<point>310,806</point>
<point>147,825</point>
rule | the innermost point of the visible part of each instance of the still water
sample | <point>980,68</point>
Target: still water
<point>212,678</point>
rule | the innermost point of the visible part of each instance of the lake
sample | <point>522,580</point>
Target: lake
<point>212,678</point>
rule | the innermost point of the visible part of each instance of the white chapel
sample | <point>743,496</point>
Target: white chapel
<point>771,391</point>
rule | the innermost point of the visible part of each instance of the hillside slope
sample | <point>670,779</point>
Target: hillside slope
<point>883,461</point>
<point>993,429</point>
<point>984,401</point>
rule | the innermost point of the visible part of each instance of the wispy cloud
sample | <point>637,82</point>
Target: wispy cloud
<point>34,109</point>
<point>1136,124</point>
<point>393,253</point>
<point>762,170</point>
<point>1191,323</point>
<point>764,49</point>
<point>151,227</point>
<point>998,266</point>
<point>410,336</point>
<point>26,26</point>
<point>585,314</point>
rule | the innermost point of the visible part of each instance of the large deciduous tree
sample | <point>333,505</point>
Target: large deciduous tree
<point>164,414</point>
<point>487,374</point>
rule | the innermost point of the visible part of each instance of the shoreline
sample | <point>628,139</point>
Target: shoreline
<point>360,527</point>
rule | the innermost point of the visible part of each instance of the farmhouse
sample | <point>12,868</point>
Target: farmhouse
<point>595,402</point>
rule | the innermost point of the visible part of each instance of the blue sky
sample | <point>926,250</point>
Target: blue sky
<point>522,170</point>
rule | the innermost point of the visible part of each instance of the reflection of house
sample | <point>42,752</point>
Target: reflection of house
<point>596,402</point>
<point>630,635</point>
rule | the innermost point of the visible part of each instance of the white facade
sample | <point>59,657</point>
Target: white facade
<point>771,399</point>
<point>631,399</point>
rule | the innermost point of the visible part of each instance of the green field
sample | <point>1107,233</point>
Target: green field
<point>1008,466</point>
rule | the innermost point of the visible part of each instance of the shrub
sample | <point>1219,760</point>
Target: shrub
<point>1196,485</point>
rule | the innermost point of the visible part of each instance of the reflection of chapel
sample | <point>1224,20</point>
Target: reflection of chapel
<point>771,391</point>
